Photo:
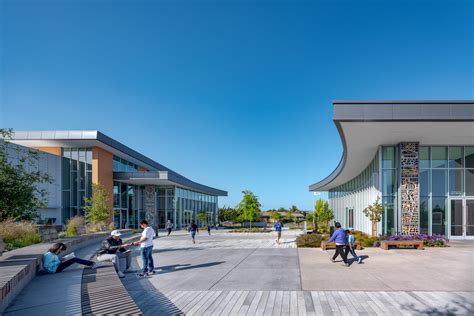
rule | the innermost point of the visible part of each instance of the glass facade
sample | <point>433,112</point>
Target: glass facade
<point>389,189</point>
<point>190,203</point>
<point>76,180</point>
<point>446,179</point>
<point>178,205</point>
<point>446,173</point>
<point>121,164</point>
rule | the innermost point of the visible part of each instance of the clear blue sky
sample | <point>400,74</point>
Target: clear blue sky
<point>232,94</point>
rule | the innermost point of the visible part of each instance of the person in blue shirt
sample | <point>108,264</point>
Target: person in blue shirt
<point>350,246</point>
<point>339,237</point>
<point>53,264</point>
<point>278,226</point>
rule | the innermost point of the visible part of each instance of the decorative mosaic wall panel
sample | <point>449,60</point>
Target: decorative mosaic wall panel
<point>409,188</point>
<point>150,206</point>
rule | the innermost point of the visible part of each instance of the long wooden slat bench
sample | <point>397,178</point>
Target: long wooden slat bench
<point>331,245</point>
<point>418,244</point>
<point>102,292</point>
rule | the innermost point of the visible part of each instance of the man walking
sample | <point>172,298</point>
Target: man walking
<point>112,249</point>
<point>193,229</point>
<point>339,237</point>
<point>278,227</point>
<point>146,248</point>
<point>169,227</point>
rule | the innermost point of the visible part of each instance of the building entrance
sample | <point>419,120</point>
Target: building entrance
<point>461,218</point>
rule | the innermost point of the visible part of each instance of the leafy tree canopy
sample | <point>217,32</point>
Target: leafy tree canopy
<point>20,192</point>
<point>97,209</point>
<point>249,206</point>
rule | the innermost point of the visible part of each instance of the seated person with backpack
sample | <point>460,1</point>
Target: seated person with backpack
<point>112,249</point>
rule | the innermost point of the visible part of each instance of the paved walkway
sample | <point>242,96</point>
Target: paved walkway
<point>250,275</point>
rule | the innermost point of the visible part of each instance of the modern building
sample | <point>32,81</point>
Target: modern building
<point>139,187</point>
<point>417,156</point>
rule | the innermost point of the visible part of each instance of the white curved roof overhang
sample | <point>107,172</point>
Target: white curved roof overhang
<point>364,126</point>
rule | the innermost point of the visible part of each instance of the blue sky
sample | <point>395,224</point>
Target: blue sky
<point>232,94</point>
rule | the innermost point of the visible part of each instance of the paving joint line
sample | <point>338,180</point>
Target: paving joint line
<point>215,283</point>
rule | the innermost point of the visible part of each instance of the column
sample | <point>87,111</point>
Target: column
<point>409,188</point>
<point>150,206</point>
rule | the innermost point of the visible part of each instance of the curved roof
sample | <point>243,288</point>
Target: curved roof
<point>365,125</point>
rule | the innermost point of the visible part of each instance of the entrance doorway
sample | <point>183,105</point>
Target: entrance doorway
<point>187,218</point>
<point>461,218</point>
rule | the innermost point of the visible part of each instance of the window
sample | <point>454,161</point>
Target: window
<point>350,218</point>
<point>456,157</point>
<point>439,157</point>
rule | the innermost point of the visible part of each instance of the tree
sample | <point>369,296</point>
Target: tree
<point>275,216</point>
<point>20,193</point>
<point>322,213</point>
<point>374,213</point>
<point>293,209</point>
<point>250,207</point>
<point>97,209</point>
<point>202,217</point>
<point>225,214</point>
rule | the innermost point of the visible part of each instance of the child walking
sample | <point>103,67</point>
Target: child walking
<point>350,246</point>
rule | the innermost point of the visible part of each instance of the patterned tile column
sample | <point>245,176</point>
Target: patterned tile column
<point>409,188</point>
<point>150,206</point>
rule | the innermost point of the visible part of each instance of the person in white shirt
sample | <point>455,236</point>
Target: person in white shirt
<point>146,248</point>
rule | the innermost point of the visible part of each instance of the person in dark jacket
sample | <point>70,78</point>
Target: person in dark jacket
<point>193,229</point>
<point>112,249</point>
<point>339,237</point>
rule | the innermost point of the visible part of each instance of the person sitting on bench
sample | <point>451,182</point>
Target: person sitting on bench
<point>113,250</point>
<point>53,264</point>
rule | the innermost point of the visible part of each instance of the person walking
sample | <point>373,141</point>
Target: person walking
<point>52,263</point>
<point>169,227</point>
<point>112,249</point>
<point>146,249</point>
<point>278,227</point>
<point>209,229</point>
<point>339,237</point>
<point>350,246</point>
<point>193,229</point>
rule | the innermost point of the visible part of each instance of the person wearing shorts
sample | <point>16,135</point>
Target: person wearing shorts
<point>278,226</point>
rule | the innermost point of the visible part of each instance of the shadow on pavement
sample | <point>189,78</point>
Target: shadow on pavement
<point>182,267</point>
<point>455,307</point>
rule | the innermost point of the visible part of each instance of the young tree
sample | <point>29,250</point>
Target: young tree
<point>322,213</point>
<point>275,216</point>
<point>97,209</point>
<point>202,217</point>
<point>374,213</point>
<point>20,193</point>
<point>250,207</point>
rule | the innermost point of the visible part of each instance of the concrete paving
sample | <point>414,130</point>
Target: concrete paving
<point>432,269</point>
<point>249,274</point>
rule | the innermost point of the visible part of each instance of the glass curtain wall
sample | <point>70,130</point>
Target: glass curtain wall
<point>129,205</point>
<point>445,172</point>
<point>76,180</point>
<point>389,189</point>
<point>190,203</point>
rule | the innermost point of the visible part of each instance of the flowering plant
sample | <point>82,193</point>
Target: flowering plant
<point>436,240</point>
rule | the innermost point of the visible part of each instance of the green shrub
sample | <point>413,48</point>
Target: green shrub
<point>95,228</point>
<point>73,225</point>
<point>249,230</point>
<point>61,235</point>
<point>309,241</point>
<point>111,226</point>
<point>364,239</point>
<point>18,234</point>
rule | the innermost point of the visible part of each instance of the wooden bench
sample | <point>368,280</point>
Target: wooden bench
<point>102,292</point>
<point>326,245</point>
<point>418,244</point>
